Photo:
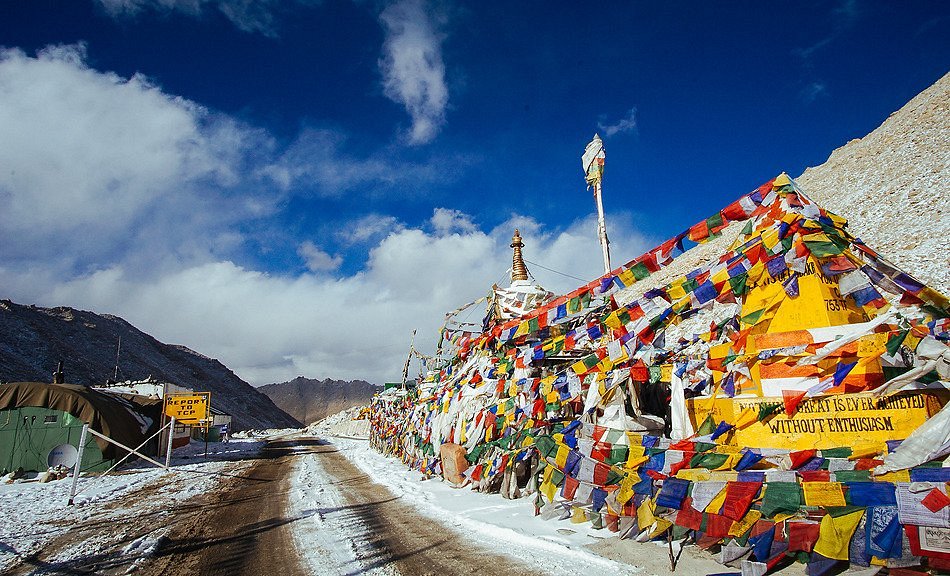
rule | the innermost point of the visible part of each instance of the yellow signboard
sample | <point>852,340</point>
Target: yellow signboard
<point>823,422</point>
<point>189,408</point>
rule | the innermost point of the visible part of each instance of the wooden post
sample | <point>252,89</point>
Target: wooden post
<point>171,437</point>
<point>78,467</point>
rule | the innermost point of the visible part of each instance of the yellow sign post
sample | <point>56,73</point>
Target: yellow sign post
<point>189,409</point>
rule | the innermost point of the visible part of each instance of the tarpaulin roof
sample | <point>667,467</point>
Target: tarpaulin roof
<point>125,418</point>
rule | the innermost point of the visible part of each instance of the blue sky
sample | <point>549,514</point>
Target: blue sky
<point>292,187</point>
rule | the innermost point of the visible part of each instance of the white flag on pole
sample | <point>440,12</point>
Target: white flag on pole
<point>593,160</point>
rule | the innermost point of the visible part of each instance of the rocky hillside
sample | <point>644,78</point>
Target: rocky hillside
<point>892,186</point>
<point>33,340</point>
<point>310,400</point>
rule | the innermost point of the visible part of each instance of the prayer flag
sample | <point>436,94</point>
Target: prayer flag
<point>835,533</point>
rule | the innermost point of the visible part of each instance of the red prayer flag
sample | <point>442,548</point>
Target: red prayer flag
<point>800,457</point>
<point>935,501</point>
<point>717,525</point>
<point>802,535</point>
<point>689,517</point>
<point>792,398</point>
<point>569,487</point>
<point>739,496</point>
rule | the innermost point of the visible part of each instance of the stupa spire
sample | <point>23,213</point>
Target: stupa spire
<point>518,270</point>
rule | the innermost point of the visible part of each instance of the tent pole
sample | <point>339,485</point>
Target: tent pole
<point>76,469</point>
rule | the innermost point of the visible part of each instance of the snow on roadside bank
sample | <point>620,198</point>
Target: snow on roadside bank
<point>36,514</point>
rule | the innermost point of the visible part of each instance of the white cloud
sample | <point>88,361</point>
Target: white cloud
<point>447,221</point>
<point>369,228</point>
<point>412,68</point>
<point>316,259</point>
<point>316,161</point>
<point>247,15</point>
<point>625,124</point>
<point>96,165</point>
<point>813,91</point>
<point>119,198</point>
<point>271,328</point>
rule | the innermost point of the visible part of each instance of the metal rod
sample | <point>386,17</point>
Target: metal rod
<point>76,469</point>
<point>171,437</point>
<point>602,227</point>
<point>405,369</point>
<point>123,446</point>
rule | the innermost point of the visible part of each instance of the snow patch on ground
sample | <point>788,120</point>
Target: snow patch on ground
<point>36,514</point>
<point>330,540</point>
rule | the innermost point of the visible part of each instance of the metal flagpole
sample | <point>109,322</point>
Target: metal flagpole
<point>602,228</point>
<point>593,163</point>
<point>405,369</point>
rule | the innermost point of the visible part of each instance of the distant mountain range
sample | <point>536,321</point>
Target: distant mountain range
<point>33,340</point>
<point>310,400</point>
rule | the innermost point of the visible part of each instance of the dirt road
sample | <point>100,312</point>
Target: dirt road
<point>245,528</point>
<point>248,531</point>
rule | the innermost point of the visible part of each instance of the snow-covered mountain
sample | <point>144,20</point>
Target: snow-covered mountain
<point>891,185</point>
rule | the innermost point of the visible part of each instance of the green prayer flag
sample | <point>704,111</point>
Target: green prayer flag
<point>707,427</point>
<point>894,342</point>
<point>839,452</point>
<point>781,497</point>
<point>640,271</point>
<point>752,318</point>
<point>822,249</point>
<point>738,283</point>
<point>708,460</point>
<point>766,409</point>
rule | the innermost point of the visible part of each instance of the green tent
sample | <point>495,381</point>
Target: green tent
<point>38,418</point>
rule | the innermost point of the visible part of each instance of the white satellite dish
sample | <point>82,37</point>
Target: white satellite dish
<point>62,455</point>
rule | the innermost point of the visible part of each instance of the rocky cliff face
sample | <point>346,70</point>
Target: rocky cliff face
<point>891,185</point>
<point>310,400</point>
<point>33,340</point>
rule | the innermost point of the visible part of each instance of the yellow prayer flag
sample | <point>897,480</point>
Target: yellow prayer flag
<point>625,492</point>
<point>636,456</point>
<point>742,526</point>
<point>578,515</point>
<point>613,321</point>
<point>522,329</point>
<point>579,368</point>
<point>823,494</point>
<point>781,180</point>
<point>693,474</point>
<point>627,277</point>
<point>715,505</point>
<point>646,514</point>
<point>834,535</point>
<point>561,458</point>
<point>866,450</point>
<point>898,476</point>
<point>662,525</point>
<point>676,291</point>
